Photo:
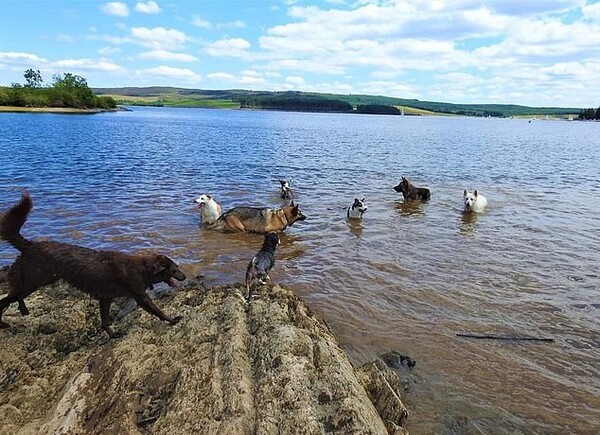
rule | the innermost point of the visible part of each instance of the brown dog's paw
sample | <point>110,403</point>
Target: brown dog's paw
<point>175,320</point>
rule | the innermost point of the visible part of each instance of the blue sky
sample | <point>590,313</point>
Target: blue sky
<point>531,52</point>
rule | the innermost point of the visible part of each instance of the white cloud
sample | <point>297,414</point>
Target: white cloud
<point>234,47</point>
<point>167,55</point>
<point>220,76</point>
<point>150,7</point>
<point>115,8</point>
<point>105,51</point>
<point>237,24</point>
<point>89,65</point>
<point>199,22</point>
<point>158,38</point>
<point>295,80</point>
<point>168,75</point>
<point>592,12</point>
<point>18,59</point>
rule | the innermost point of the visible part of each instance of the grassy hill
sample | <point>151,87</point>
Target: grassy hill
<point>308,101</point>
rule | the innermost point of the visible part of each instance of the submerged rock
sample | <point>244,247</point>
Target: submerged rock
<point>228,367</point>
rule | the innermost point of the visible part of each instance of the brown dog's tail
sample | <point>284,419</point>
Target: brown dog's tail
<point>12,221</point>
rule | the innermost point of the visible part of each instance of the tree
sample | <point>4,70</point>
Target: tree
<point>34,78</point>
<point>71,90</point>
<point>597,113</point>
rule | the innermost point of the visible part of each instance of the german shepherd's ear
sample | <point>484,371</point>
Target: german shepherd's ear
<point>293,205</point>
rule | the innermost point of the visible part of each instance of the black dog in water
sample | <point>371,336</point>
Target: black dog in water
<point>411,192</point>
<point>262,263</point>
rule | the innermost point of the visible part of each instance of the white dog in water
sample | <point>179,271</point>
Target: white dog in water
<point>474,202</point>
<point>210,210</point>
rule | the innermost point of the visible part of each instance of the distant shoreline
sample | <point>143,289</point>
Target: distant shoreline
<point>66,110</point>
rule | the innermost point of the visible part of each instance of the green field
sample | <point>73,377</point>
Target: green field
<point>234,99</point>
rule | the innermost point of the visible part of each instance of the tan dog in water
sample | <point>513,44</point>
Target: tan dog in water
<point>260,220</point>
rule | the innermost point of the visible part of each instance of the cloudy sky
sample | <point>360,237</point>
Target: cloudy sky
<point>531,52</point>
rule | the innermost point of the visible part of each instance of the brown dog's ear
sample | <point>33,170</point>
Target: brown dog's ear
<point>159,265</point>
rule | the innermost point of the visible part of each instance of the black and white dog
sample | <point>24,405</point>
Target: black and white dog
<point>286,190</point>
<point>262,263</point>
<point>357,209</point>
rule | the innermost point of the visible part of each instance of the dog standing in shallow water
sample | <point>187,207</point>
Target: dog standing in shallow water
<point>104,275</point>
<point>286,190</point>
<point>209,209</point>
<point>262,263</point>
<point>412,193</point>
<point>474,202</point>
<point>260,220</point>
<point>357,209</point>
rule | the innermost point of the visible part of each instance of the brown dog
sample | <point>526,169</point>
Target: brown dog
<point>260,220</point>
<point>104,275</point>
<point>412,193</point>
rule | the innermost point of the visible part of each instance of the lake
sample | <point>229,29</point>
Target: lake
<point>408,277</point>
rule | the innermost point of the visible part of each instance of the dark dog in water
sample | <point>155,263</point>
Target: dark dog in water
<point>262,263</point>
<point>412,193</point>
<point>104,275</point>
<point>260,219</point>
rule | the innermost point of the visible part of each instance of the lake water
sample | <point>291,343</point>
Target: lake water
<point>406,278</point>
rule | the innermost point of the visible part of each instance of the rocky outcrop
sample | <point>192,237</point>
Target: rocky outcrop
<point>228,367</point>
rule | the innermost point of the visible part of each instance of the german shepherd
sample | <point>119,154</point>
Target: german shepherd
<point>104,275</point>
<point>260,220</point>
<point>412,193</point>
<point>262,263</point>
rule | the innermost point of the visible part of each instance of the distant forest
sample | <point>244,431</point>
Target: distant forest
<point>589,114</point>
<point>315,102</point>
<point>66,90</point>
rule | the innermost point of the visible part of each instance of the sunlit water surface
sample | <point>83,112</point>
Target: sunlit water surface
<point>406,278</point>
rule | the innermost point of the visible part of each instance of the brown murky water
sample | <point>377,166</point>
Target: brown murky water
<point>408,277</point>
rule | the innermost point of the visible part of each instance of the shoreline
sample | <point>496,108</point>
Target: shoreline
<point>65,110</point>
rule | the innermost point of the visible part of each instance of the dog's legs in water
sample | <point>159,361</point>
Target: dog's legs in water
<point>146,303</point>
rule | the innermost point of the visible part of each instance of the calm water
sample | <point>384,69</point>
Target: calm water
<point>406,278</point>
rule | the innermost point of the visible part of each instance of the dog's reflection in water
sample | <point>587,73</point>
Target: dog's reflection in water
<point>466,226</point>
<point>355,226</point>
<point>409,208</point>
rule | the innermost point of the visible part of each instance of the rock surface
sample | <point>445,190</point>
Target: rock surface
<point>228,367</point>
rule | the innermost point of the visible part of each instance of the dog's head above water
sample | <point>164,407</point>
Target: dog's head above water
<point>165,270</point>
<point>357,209</point>
<point>402,186</point>
<point>293,213</point>
<point>202,201</point>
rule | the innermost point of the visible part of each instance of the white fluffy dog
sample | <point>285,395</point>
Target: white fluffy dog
<point>474,202</point>
<point>357,209</point>
<point>210,210</point>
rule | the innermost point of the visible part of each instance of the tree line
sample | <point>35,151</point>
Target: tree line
<point>65,90</point>
<point>589,114</point>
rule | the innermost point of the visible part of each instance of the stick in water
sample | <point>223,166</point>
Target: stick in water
<point>505,337</point>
